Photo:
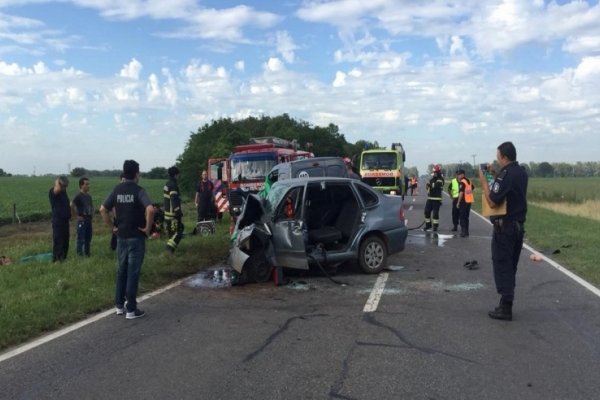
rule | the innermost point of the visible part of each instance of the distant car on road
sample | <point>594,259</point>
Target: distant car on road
<point>323,221</point>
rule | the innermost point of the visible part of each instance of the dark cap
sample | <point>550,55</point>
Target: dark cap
<point>460,171</point>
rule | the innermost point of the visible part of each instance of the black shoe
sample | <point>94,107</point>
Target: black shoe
<point>464,234</point>
<point>503,312</point>
<point>427,227</point>
<point>435,228</point>
<point>455,228</point>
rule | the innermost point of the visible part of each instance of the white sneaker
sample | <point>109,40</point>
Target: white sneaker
<point>137,313</point>
<point>120,310</point>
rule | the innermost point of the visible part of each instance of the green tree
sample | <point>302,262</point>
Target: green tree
<point>78,172</point>
<point>545,170</point>
<point>156,173</point>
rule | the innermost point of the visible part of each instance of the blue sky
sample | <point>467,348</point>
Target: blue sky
<point>89,83</point>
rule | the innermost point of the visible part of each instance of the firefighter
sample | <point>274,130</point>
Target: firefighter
<point>464,202</point>
<point>453,193</point>
<point>172,210</point>
<point>434,187</point>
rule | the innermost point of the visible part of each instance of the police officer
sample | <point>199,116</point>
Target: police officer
<point>435,187</point>
<point>453,193</point>
<point>509,185</point>
<point>172,209</point>
<point>464,201</point>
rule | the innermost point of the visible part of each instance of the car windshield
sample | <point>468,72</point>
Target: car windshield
<point>379,161</point>
<point>254,169</point>
<point>273,198</point>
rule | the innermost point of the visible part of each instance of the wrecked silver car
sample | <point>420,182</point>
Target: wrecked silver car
<point>317,221</point>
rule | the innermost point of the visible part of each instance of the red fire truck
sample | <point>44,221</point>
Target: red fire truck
<point>247,167</point>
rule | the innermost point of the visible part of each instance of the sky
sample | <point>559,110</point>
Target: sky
<point>90,83</point>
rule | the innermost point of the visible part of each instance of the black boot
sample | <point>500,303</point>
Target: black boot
<point>435,227</point>
<point>455,228</point>
<point>427,226</point>
<point>503,311</point>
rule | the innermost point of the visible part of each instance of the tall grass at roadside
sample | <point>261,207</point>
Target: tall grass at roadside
<point>36,297</point>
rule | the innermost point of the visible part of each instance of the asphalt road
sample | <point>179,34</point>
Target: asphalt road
<point>429,337</point>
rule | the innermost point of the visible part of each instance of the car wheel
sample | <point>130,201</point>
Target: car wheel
<point>372,255</point>
<point>259,269</point>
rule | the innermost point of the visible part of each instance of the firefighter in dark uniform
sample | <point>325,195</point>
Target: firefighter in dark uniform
<point>61,216</point>
<point>172,210</point>
<point>435,187</point>
<point>509,185</point>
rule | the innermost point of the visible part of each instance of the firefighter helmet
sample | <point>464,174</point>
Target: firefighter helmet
<point>437,168</point>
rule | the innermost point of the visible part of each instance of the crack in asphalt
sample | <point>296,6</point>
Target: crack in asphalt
<point>339,384</point>
<point>371,320</point>
<point>278,332</point>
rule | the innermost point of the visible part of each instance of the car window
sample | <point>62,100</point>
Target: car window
<point>337,170</point>
<point>290,205</point>
<point>368,197</point>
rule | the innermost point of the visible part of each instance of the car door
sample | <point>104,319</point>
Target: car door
<point>289,230</point>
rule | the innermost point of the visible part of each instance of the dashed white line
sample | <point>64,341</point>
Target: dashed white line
<point>375,296</point>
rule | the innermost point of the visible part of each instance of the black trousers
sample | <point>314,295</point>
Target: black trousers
<point>464,212</point>
<point>60,239</point>
<point>432,211</point>
<point>507,242</point>
<point>455,212</point>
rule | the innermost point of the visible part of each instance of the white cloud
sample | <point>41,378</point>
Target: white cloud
<point>286,46</point>
<point>131,70</point>
<point>240,65</point>
<point>588,71</point>
<point>583,44</point>
<point>340,79</point>
<point>274,64</point>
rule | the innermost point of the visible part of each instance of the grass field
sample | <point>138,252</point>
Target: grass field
<point>30,194</point>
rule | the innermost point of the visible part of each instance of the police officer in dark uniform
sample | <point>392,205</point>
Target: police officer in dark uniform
<point>509,185</point>
<point>172,209</point>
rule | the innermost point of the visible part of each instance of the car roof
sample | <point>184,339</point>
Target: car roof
<point>303,181</point>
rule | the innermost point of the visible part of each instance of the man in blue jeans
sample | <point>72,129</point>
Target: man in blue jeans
<point>134,219</point>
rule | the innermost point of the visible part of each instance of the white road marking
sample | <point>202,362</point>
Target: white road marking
<point>554,264</point>
<point>375,296</point>
<point>55,335</point>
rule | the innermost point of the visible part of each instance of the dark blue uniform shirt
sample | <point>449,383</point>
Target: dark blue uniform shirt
<point>511,185</point>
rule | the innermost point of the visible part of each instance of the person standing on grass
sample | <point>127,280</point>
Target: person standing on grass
<point>509,185</point>
<point>61,215</point>
<point>83,208</point>
<point>205,198</point>
<point>172,210</point>
<point>135,216</point>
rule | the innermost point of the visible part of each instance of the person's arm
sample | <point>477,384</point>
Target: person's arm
<point>149,213</point>
<point>197,199</point>
<point>105,213</point>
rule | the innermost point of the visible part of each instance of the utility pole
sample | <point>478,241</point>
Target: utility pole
<point>474,165</point>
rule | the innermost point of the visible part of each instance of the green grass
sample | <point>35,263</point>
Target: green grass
<point>36,297</point>
<point>564,190</point>
<point>30,194</point>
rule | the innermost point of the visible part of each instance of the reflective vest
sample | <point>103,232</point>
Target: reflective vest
<point>454,188</point>
<point>468,197</point>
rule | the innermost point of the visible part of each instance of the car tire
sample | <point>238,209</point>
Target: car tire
<point>372,256</point>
